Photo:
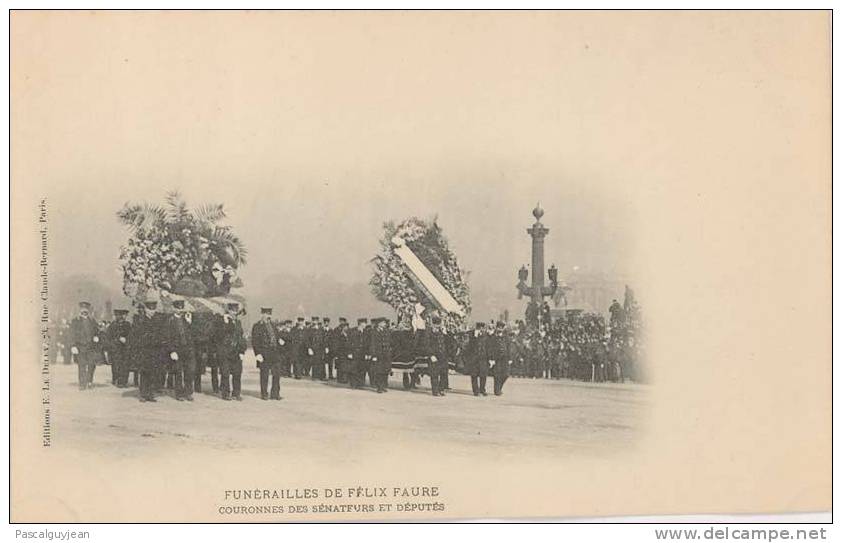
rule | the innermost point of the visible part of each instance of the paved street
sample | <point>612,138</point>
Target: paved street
<point>554,417</point>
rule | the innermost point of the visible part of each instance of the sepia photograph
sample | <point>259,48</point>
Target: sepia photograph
<point>285,266</point>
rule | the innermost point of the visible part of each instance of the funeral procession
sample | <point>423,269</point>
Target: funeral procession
<point>185,329</point>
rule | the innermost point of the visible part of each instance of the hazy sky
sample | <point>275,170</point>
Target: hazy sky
<point>312,141</point>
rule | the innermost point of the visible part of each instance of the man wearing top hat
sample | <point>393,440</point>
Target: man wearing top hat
<point>145,346</point>
<point>118,347</point>
<point>499,355</point>
<point>181,351</point>
<point>266,345</point>
<point>230,348</point>
<point>84,344</point>
<point>476,360</point>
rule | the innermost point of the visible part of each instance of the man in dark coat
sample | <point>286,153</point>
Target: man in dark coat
<point>285,345</point>
<point>182,354</point>
<point>118,347</point>
<point>230,348</point>
<point>355,354</point>
<point>437,354</point>
<point>299,348</point>
<point>312,354</point>
<point>380,351</point>
<point>203,327</point>
<point>339,351</point>
<point>368,332</point>
<point>476,360</point>
<point>145,345</point>
<point>266,345</point>
<point>499,353</point>
<point>85,344</point>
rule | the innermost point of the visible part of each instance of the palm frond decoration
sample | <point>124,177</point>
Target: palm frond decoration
<point>171,246</point>
<point>177,212</point>
<point>209,213</point>
<point>141,216</point>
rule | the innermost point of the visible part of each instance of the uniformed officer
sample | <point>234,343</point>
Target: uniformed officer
<point>368,332</point>
<point>380,351</point>
<point>118,347</point>
<point>231,347</point>
<point>339,351</point>
<point>181,351</point>
<point>285,345</point>
<point>84,344</point>
<point>266,345</point>
<point>356,353</point>
<point>299,348</point>
<point>499,357</point>
<point>145,346</point>
<point>438,356</point>
<point>327,354</point>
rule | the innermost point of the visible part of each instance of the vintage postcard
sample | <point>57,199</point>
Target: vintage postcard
<point>419,265</point>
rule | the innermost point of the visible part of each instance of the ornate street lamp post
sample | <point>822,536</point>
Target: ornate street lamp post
<point>538,290</point>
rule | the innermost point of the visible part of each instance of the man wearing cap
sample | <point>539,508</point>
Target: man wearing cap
<point>339,350</point>
<point>231,347</point>
<point>316,349</point>
<point>327,366</point>
<point>285,345</point>
<point>380,351</point>
<point>181,351</point>
<point>298,350</point>
<point>266,345</point>
<point>368,333</point>
<point>118,347</point>
<point>355,354</point>
<point>84,343</point>
<point>498,351</point>
<point>145,346</point>
<point>436,351</point>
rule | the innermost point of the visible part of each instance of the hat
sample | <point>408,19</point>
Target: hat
<point>266,310</point>
<point>314,319</point>
<point>152,304</point>
<point>343,320</point>
<point>288,321</point>
<point>436,320</point>
<point>501,324</point>
<point>326,319</point>
<point>233,306</point>
<point>300,319</point>
<point>121,312</point>
<point>85,305</point>
<point>178,304</point>
<point>362,320</point>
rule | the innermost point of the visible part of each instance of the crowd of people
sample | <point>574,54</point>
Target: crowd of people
<point>174,350</point>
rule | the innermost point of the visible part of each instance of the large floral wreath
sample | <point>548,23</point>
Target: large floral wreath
<point>391,283</point>
<point>172,248</point>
